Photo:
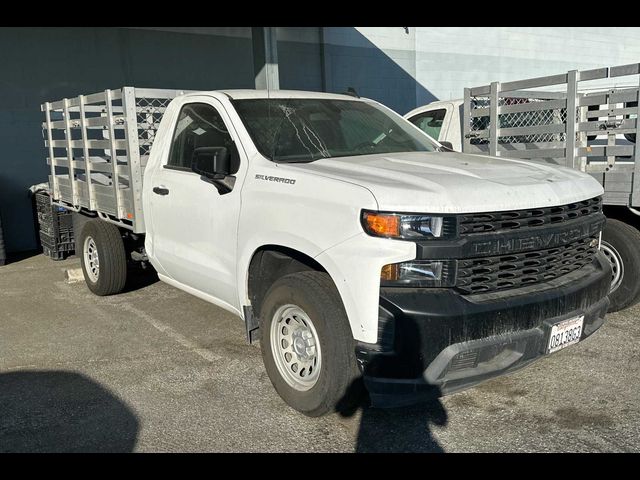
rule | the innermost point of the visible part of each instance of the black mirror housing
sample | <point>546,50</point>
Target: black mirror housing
<point>211,162</point>
<point>448,146</point>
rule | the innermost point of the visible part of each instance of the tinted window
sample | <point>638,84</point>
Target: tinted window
<point>430,122</point>
<point>199,125</point>
<point>303,130</point>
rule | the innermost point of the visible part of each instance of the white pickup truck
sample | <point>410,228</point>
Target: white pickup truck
<point>527,119</point>
<point>357,247</point>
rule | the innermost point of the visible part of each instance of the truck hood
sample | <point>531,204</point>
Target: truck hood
<point>451,182</point>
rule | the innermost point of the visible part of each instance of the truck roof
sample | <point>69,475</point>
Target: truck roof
<point>241,94</point>
<point>431,106</point>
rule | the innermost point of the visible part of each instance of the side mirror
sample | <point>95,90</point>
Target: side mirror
<point>448,146</point>
<point>211,162</point>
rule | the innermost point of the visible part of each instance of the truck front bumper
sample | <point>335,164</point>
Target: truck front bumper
<point>433,342</point>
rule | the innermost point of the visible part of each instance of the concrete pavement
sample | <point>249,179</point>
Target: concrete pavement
<point>155,369</point>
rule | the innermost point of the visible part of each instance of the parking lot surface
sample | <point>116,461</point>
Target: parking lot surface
<point>155,369</point>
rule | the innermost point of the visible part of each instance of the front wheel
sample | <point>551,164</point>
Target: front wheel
<point>103,257</point>
<point>307,345</point>
<point>621,245</point>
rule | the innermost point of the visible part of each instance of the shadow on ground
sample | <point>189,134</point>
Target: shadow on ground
<point>401,429</point>
<point>139,278</point>
<point>407,429</point>
<point>57,411</point>
<point>16,257</point>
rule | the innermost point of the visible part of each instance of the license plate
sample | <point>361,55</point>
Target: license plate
<point>565,333</point>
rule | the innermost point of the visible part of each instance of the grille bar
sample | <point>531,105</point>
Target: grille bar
<point>487,274</point>
<point>531,218</point>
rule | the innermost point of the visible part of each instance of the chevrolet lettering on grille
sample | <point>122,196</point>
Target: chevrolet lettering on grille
<point>535,242</point>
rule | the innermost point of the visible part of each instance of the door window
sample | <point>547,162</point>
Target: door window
<point>430,122</point>
<point>199,125</point>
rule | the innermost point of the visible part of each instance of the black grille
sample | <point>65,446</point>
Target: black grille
<point>449,227</point>
<point>487,274</point>
<point>530,218</point>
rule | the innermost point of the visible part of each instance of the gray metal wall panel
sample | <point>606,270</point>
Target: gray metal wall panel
<point>43,64</point>
<point>379,62</point>
<point>299,58</point>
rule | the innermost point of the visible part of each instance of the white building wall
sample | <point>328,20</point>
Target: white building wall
<point>406,69</point>
<point>451,58</point>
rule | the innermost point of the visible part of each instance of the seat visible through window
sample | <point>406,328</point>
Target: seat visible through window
<point>199,125</point>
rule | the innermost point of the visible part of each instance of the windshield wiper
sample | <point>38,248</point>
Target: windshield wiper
<point>299,161</point>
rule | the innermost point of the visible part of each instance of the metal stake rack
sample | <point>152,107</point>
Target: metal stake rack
<point>98,146</point>
<point>566,127</point>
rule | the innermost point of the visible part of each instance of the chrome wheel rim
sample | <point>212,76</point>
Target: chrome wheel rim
<point>617,267</point>
<point>91,259</point>
<point>295,347</point>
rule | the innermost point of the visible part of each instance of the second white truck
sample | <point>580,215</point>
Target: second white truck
<point>351,245</point>
<point>528,119</point>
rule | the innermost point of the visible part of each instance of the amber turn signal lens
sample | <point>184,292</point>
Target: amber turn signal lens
<point>383,225</point>
<point>389,272</point>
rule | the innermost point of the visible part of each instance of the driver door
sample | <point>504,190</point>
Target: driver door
<point>195,226</point>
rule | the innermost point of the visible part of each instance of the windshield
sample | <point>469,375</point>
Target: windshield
<point>306,129</point>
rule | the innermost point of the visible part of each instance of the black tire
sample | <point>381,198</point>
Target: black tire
<point>315,293</point>
<point>623,242</point>
<point>112,273</point>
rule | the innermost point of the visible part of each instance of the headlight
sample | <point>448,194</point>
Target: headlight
<point>407,227</point>
<point>418,273</point>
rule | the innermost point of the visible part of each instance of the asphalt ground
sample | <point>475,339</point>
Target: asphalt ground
<point>157,370</point>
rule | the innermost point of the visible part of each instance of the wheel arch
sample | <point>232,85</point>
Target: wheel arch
<point>270,262</point>
<point>621,237</point>
<point>623,214</point>
<point>277,260</point>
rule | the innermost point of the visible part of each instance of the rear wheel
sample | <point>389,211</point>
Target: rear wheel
<point>621,246</point>
<point>307,344</point>
<point>103,257</point>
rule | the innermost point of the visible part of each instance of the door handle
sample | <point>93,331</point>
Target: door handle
<point>161,190</point>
